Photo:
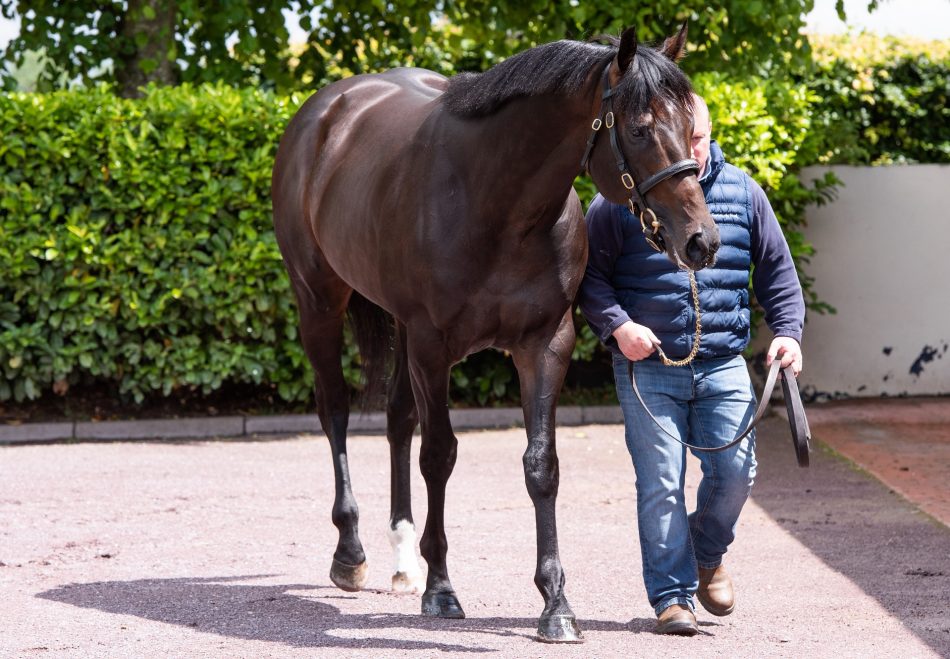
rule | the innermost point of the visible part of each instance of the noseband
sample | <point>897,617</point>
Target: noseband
<point>636,202</point>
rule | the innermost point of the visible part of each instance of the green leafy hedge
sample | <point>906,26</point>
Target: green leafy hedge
<point>882,100</point>
<point>137,246</point>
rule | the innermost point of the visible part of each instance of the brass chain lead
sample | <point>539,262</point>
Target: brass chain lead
<point>696,337</point>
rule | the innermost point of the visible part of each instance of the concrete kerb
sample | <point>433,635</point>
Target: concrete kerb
<point>290,424</point>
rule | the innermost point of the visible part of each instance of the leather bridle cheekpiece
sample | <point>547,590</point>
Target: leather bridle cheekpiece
<point>636,202</point>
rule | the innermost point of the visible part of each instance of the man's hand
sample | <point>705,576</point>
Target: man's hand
<point>788,350</point>
<point>636,342</point>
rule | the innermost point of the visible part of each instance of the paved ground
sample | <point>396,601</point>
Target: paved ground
<point>222,549</point>
<point>905,442</point>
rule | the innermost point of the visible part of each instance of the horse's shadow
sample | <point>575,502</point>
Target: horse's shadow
<point>283,614</point>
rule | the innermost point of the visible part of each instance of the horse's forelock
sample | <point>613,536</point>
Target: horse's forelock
<point>653,77</point>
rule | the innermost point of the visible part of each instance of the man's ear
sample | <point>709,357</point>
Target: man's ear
<point>675,47</point>
<point>628,48</point>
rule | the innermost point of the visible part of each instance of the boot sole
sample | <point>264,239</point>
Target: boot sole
<point>678,629</point>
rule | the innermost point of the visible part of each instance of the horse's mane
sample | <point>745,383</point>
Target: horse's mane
<point>561,68</point>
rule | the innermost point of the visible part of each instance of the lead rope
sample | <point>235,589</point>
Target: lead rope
<point>697,335</point>
<point>763,401</point>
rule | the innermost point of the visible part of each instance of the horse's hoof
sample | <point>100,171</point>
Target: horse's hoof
<point>350,578</point>
<point>441,605</point>
<point>559,629</point>
<point>403,582</point>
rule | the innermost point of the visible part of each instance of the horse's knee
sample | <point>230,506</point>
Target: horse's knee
<point>541,471</point>
<point>437,459</point>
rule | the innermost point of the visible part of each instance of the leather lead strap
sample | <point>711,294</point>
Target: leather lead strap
<point>796,413</point>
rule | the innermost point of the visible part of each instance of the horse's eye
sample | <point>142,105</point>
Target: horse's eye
<point>637,132</point>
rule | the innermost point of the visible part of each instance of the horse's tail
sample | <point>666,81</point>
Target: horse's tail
<point>375,335</point>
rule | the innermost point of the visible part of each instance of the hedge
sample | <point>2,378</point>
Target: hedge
<point>137,245</point>
<point>881,100</point>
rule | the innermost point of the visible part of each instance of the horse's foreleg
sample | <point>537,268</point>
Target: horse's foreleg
<point>401,420</point>
<point>429,373</point>
<point>541,369</point>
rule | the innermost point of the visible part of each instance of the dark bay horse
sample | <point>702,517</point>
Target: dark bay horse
<point>441,215</point>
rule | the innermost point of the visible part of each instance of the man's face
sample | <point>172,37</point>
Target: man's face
<point>702,130</point>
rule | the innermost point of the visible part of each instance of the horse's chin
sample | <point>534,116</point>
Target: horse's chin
<point>674,256</point>
<point>684,263</point>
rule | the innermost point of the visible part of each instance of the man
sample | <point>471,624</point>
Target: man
<point>635,299</point>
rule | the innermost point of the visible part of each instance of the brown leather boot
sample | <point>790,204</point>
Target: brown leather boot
<point>677,620</point>
<point>715,591</point>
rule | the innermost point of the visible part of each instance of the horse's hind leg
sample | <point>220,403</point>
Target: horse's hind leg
<point>401,420</point>
<point>542,365</point>
<point>322,299</point>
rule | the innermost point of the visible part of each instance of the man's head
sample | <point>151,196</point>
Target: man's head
<point>702,132</point>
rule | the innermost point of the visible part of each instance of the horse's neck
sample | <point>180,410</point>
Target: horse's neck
<point>531,153</point>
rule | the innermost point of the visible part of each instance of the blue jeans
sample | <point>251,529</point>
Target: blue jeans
<point>707,403</point>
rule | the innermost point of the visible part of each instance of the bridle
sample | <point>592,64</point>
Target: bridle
<point>636,202</point>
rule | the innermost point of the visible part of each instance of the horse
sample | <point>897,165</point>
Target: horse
<point>440,215</point>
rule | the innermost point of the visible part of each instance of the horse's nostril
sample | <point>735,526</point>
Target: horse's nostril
<point>700,249</point>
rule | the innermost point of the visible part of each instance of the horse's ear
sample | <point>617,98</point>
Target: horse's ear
<point>628,48</point>
<point>675,47</point>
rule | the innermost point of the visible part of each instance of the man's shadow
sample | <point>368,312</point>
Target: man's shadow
<point>283,614</point>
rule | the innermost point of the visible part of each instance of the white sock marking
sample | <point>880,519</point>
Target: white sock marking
<point>403,541</point>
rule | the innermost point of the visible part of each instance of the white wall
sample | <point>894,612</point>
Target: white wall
<point>883,260</point>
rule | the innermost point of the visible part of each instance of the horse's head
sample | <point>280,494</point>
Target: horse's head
<point>646,162</point>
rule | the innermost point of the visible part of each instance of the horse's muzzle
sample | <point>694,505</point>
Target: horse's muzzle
<point>701,249</point>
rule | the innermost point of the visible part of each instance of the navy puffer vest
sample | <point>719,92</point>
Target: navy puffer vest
<point>656,294</point>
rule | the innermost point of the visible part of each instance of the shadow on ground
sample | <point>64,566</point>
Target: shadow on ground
<point>861,529</point>
<point>294,614</point>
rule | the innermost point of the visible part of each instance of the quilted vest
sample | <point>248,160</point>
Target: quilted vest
<point>656,294</point>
